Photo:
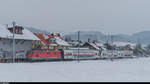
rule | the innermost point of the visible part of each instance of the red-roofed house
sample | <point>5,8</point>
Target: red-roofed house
<point>52,42</point>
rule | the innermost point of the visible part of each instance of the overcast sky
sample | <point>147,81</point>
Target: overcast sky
<point>107,16</point>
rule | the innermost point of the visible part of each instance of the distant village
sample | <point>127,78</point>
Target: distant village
<point>27,41</point>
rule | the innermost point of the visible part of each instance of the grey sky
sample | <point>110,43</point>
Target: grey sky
<point>108,16</point>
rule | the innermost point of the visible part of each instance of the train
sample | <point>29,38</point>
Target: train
<point>65,55</point>
<point>117,54</point>
<point>78,54</point>
<point>71,54</point>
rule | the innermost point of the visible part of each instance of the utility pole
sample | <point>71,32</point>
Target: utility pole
<point>96,39</point>
<point>112,39</point>
<point>14,51</point>
<point>78,45</point>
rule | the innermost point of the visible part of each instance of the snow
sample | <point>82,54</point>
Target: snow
<point>101,45</point>
<point>124,70</point>
<point>11,25</point>
<point>61,42</point>
<point>53,44</point>
<point>4,33</point>
<point>45,36</point>
<point>27,35</point>
<point>124,43</point>
<point>95,46</point>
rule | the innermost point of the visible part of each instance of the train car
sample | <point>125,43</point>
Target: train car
<point>81,53</point>
<point>116,54</point>
<point>43,55</point>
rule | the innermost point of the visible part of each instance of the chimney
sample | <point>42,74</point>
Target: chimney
<point>58,34</point>
<point>52,34</point>
<point>94,41</point>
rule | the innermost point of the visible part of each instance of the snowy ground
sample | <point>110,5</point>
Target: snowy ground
<point>126,70</point>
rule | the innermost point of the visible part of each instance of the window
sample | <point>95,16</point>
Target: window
<point>54,53</point>
<point>52,40</point>
<point>18,30</point>
<point>15,30</point>
<point>48,53</point>
<point>32,53</point>
<point>41,53</point>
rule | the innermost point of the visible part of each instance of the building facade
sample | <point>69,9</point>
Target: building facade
<point>23,40</point>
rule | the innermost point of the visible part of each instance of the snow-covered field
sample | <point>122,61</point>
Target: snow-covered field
<point>125,70</point>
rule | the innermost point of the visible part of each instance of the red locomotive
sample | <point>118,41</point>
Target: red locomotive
<point>44,55</point>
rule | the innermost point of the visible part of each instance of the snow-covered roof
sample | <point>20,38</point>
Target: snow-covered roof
<point>95,46</point>
<point>100,45</point>
<point>61,42</point>
<point>76,43</point>
<point>27,35</point>
<point>11,25</point>
<point>143,46</point>
<point>123,43</point>
<point>45,36</point>
<point>80,48</point>
<point>57,40</point>
<point>53,44</point>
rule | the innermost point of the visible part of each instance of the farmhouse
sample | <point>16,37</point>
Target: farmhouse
<point>23,39</point>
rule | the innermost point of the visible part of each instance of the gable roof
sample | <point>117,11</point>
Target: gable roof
<point>58,40</point>
<point>95,45</point>
<point>100,46</point>
<point>27,35</point>
<point>61,41</point>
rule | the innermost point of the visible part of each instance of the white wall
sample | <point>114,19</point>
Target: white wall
<point>6,45</point>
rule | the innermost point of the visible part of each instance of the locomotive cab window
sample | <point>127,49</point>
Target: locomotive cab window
<point>48,53</point>
<point>54,53</point>
<point>41,53</point>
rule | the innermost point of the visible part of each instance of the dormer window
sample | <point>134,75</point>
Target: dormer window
<point>52,40</point>
<point>18,29</point>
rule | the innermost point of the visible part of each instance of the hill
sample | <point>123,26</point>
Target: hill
<point>140,37</point>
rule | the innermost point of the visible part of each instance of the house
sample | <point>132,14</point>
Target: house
<point>94,45</point>
<point>23,39</point>
<point>76,43</point>
<point>124,45</point>
<point>50,41</point>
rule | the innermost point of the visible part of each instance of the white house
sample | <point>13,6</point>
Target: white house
<point>23,38</point>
